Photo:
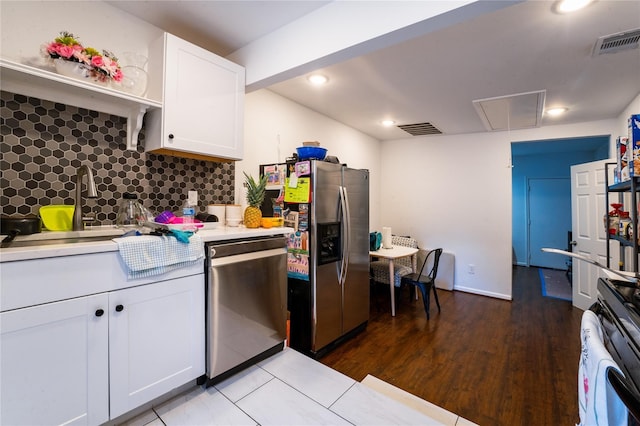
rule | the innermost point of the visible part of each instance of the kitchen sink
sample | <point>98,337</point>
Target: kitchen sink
<point>45,242</point>
<point>98,233</point>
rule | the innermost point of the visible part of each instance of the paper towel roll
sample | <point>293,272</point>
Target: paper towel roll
<point>386,237</point>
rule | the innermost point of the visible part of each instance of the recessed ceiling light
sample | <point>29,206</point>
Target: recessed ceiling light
<point>317,79</point>
<point>554,112</point>
<point>388,123</point>
<point>567,6</point>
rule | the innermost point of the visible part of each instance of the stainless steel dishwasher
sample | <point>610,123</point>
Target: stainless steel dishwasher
<point>246,310</point>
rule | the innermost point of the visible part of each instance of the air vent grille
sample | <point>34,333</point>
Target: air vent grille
<point>617,42</point>
<point>420,129</point>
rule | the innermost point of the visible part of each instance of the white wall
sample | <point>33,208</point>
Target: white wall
<point>275,126</point>
<point>633,108</point>
<point>26,25</point>
<point>455,192</point>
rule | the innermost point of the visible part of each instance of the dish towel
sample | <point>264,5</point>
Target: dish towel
<point>598,403</point>
<point>148,255</point>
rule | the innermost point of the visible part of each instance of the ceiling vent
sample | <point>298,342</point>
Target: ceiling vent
<point>420,129</point>
<point>511,112</point>
<point>616,42</point>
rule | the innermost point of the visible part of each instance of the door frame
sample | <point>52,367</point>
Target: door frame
<point>528,205</point>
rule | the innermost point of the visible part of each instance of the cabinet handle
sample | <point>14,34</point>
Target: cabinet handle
<point>119,308</point>
<point>170,135</point>
<point>99,312</point>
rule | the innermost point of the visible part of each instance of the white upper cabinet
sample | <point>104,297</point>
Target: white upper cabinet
<point>203,104</point>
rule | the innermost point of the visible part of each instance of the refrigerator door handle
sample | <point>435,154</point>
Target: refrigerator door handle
<point>346,223</point>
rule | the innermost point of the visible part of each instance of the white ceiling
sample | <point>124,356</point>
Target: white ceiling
<point>435,78</point>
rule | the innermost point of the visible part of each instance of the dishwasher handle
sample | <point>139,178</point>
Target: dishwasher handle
<point>245,257</point>
<point>232,248</point>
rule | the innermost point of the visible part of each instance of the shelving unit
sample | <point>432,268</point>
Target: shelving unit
<point>631,187</point>
<point>35,82</point>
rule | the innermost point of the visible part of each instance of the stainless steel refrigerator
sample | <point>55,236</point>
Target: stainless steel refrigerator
<point>328,284</point>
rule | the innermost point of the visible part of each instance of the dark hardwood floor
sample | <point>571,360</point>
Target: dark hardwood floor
<point>492,361</point>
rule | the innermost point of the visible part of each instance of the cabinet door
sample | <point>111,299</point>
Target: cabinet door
<point>54,366</point>
<point>203,101</point>
<point>156,340</point>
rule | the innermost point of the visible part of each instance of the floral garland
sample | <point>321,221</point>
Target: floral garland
<point>103,66</point>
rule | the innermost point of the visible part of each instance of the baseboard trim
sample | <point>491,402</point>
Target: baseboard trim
<point>483,293</point>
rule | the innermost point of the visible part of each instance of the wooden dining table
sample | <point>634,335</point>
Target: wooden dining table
<point>393,253</point>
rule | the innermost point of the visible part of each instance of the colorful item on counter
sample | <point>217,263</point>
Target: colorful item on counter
<point>57,217</point>
<point>165,217</point>
<point>182,236</point>
<point>255,197</point>
<point>269,222</point>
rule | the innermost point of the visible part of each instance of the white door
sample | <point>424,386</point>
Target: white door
<point>549,202</point>
<point>156,340</point>
<point>54,367</point>
<point>588,209</point>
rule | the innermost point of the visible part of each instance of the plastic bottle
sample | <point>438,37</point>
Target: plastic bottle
<point>189,211</point>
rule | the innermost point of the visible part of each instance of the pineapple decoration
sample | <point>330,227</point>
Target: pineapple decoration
<point>255,196</point>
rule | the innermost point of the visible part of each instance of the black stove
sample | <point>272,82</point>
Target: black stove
<point>618,308</point>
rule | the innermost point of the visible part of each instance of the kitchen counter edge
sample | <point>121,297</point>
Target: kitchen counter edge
<point>70,249</point>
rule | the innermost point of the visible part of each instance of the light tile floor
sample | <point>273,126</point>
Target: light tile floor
<point>292,389</point>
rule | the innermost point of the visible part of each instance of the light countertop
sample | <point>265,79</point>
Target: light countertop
<point>11,254</point>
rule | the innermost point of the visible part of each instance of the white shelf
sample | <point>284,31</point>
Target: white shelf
<point>31,81</point>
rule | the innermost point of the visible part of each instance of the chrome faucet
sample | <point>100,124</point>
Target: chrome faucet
<point>91,193</point>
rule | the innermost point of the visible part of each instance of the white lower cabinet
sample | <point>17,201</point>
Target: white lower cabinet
<point>156,341</point>
<point>90,359</point>
<point>54,363</point>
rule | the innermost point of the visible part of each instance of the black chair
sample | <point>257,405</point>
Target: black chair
<point>427,282</point>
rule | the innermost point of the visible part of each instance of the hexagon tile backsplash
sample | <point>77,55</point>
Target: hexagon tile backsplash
<point>43,143</point>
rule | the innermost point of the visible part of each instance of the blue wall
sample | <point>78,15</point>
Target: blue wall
<point>545,165</point>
